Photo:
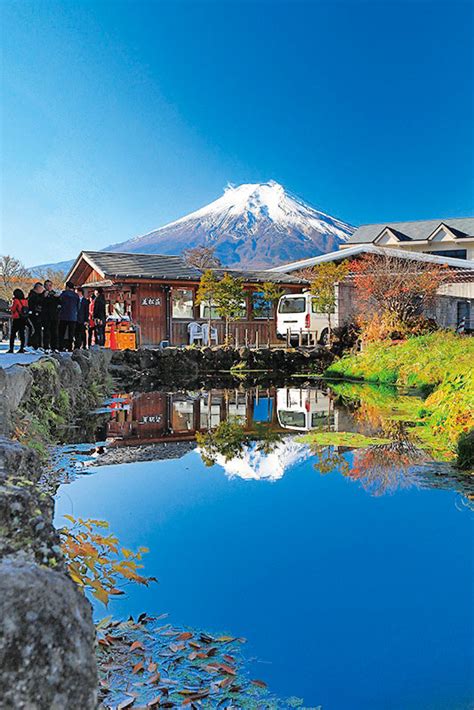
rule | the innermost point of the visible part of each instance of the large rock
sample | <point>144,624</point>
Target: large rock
<point>46,640</point>
<point>15,382</point>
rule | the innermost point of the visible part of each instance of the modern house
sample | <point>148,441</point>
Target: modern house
<point>157,294</point>
<point>448,237</point>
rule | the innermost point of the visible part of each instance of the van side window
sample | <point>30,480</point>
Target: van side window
<point>314,307</point>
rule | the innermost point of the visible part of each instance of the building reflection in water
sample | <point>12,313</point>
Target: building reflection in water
<point>160,416</point>
<point>150,417</point>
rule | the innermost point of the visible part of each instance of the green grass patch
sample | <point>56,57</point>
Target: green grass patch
<point>438,366</point>
<point>341,438</point>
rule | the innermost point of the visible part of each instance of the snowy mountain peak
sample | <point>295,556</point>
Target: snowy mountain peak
<point>255,225</point>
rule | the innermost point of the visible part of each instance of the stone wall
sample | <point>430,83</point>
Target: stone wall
<point>184,366</point>
<point>47,656</point>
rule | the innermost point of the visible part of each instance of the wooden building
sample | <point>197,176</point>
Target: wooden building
<point>158,294</point>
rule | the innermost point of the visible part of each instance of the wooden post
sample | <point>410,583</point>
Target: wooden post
<point>246,338</point>
<point>236,336</point>
<point>288,338</point>
<point>300,338</point>
<point>256,339</point>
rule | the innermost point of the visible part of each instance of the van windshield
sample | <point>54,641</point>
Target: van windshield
<point>292,305</point>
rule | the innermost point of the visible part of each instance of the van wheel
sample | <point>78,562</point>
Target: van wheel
<point>324,338</point>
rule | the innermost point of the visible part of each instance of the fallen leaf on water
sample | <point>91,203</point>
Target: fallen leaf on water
<point>154,702</point>
<point>260,683</point>
<point>227,669</point>
<point>152,667</point>
<point>127,703</point>
<point>206,638</point>
<point>185,636</point>
<point>192,656</point>
<point>228,658</point>
<point>103,622</point>
<point>135,645</point>
<point>137,667</point>
<point>155,678</point>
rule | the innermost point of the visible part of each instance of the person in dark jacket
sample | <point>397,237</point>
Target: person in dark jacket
<point>50,318</point>
<point>100,316</point>
<point>80,340</point>
<point>20,311</point>
<point>68,316</point>
<point>35,303</point>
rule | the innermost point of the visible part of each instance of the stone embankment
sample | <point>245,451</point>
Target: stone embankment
<point>47,658</point>
<point>189,365</point>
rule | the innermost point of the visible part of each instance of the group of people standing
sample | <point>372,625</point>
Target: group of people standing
<point>57,321</point>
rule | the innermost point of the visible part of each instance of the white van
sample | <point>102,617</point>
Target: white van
<point>297,313</point>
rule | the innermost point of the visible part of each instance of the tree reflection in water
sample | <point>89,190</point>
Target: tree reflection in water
<point>230,440</point>
<point>380,468</point>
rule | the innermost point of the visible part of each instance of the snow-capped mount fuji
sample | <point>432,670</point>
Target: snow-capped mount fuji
<point>253,225</point>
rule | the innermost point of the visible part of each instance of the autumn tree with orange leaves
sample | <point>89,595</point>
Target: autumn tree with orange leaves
<point>398,289</point>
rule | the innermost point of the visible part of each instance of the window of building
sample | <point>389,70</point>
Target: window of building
<point>204,311</point>
<point>453,253</point>
<point>182,303</point>
<point>260,307</point>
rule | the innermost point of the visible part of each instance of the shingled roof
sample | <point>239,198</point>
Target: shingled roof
<point>413,231</point>
<point>162,267</point>
<point>152,266</point>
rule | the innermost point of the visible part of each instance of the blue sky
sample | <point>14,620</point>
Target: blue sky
<point>121,116</point>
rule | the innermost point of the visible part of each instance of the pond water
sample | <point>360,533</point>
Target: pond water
<point>351,580</point>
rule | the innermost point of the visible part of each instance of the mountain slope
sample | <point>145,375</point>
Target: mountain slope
<point>253,225</point>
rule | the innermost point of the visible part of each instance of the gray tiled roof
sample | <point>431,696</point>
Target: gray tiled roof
<point>153,266</point>
<point>160,266</point>
<point>413,231</point>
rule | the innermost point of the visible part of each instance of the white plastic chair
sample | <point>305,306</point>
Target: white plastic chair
<point>195,333</point>
<point>205,334</point>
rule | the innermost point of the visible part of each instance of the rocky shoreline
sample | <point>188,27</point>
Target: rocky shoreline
<point>47,636</point>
